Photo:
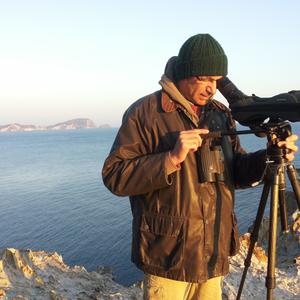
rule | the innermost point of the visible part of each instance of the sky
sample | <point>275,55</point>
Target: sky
<point>61,60</point>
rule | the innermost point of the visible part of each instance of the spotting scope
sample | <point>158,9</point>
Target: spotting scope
<point>252,110</point>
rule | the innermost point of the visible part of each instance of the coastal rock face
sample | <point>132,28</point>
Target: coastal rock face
<point>67,125</point>
<point>26,274</point>
<point>17,127</point>
<point>73,124</point>
<point>287,269</point>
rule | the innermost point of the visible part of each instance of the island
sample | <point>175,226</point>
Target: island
<point>81,123</point>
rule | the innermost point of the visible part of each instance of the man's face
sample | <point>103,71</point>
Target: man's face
<point>198,89</point>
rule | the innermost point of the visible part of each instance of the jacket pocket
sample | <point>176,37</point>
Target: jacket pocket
<point>162,241</point>
<point>235,243</point>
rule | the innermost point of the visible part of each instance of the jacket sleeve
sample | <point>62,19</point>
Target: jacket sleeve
<point>132,168</point>
<point>248,168</point>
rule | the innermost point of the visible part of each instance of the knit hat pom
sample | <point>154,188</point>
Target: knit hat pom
<point>201,55</point>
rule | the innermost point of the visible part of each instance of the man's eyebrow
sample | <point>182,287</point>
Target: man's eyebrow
<point>208,78</point>
<point>202,77</point>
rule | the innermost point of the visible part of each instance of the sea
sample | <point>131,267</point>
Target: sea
<point>52,198</point>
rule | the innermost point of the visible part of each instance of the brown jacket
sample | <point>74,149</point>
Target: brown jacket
<point>182,229</point>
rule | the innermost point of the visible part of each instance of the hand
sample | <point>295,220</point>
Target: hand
<point>289,144</point>
<point>187,141</point>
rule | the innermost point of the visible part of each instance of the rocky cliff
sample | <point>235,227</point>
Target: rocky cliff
<point>67,125</point>
<point>287,269</point>
<point>17,127</point>
<point>26,274</point>
<point>73,124</point>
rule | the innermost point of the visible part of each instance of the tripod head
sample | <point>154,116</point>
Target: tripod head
<point>276,133</point>
<point>271,129</point>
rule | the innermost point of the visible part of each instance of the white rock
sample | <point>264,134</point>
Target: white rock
<point>26,274</point>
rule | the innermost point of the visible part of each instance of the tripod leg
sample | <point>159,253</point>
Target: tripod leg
<point>293,177</point>
<point>282,202</point>
<point>254,235</point>
<point>270,279</point>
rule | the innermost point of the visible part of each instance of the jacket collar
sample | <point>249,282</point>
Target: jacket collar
<point>171,98</point>
<point>167,104</point>
<point>170,104</point>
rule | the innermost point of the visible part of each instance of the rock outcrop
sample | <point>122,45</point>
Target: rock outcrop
<point>67,125</point>
<point>17,127</point>
<point>73,124</point>
<point>287,269</point>
<point>26,274</point>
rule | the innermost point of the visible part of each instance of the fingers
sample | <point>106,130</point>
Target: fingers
<point>193,146</point>
<point>195,131</point>
<point>189,140</point>
<point>203,131</point>
<point>192,138</point>
<point>290,156</point>
<point>289,145</point>
<point>292,138</point>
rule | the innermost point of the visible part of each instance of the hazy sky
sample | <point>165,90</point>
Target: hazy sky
<point>67,59</point>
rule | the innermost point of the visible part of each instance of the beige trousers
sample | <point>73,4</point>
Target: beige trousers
<point>159,288</point>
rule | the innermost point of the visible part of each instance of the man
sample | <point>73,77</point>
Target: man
<point>181,186</point>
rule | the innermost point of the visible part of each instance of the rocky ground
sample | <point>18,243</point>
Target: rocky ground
<point>288,262</point>
<point>38,275</point>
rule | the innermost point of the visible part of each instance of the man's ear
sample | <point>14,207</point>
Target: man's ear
<point>221,82</point>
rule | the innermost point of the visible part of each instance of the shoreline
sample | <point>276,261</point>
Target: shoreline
<point>27,274</point>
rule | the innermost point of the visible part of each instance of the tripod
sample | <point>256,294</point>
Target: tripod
<point>274,180</point>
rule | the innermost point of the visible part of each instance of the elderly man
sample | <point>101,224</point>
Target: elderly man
<point>181,185</point>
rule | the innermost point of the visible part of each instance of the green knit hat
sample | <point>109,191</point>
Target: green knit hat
<point>201,55</point>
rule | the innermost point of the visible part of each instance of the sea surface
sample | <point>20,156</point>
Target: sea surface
<point>52,198</point>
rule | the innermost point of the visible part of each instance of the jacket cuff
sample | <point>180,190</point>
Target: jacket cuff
<point>170,167</point>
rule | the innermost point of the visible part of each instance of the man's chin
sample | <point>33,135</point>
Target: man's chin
<point>202,102</point>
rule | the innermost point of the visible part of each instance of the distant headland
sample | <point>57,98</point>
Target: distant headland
<point>67,125</point>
